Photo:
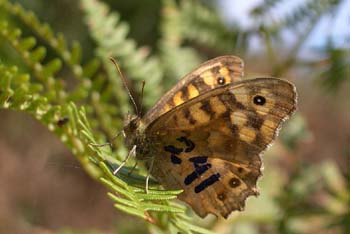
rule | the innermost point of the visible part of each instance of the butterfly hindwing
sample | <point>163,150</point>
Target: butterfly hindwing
<point>210,145</point>
<point>209,75</point>
<point>210,184</point>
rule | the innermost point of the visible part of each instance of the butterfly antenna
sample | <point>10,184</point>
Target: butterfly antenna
<point>125,85</point>
<point>142,91</point>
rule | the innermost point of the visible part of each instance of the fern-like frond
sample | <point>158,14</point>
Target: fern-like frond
<point>71,57</point>
<point>110,35</point>
<point>265,7</point>
<point>33,56</point>
<point>301,19</point>
<point>18,92</point>
<point>337,69</point>
<point>176,58</point>
<point>204,26</point>
<point>92,81</point>
<point>301,15</point>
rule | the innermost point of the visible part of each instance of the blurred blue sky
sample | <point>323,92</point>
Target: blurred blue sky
<point>337,26</point>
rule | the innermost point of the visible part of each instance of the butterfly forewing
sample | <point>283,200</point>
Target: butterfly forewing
<point>209,75</point>
<point>209,146</point>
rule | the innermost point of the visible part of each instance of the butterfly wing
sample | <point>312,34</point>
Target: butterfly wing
<point>210,145</point>
<point>211,74</point>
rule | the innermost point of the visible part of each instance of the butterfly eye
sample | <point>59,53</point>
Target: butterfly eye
<point>234,183</point>
<point>221,80</point>
<point>259,100</point>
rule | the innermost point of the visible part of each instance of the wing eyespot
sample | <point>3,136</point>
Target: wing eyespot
<point>221,196</point>
<point>221,80</point>
<point>234,183</point>
<point>259,100</point>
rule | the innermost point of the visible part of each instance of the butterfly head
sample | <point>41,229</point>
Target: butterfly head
<point>133,130</point>
<point>131,124</point>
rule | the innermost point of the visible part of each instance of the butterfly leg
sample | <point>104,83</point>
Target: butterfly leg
<point>131,153</point>
<point>149,173</point>
<point>132,169</point>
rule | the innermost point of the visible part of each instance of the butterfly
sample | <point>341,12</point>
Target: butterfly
<point>206,134</point>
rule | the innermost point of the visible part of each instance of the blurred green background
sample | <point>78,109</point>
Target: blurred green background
<point>305,187</point>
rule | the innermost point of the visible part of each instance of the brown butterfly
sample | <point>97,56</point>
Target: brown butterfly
<point>206,134</point>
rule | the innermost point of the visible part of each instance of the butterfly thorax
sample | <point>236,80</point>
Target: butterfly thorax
<point>135,135</point>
